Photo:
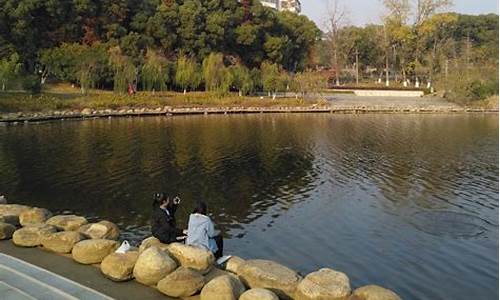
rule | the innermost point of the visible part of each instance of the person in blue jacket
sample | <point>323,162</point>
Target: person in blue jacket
<point>201,231</point>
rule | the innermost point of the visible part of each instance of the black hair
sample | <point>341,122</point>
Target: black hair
<point>201,208</point>
<point>159,198</point>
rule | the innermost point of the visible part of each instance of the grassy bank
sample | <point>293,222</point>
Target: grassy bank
<point>68,100</point>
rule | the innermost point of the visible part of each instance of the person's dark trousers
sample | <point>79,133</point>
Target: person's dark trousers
<point>220,246</point>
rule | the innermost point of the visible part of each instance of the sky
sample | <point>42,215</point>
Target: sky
<point>361,12</point>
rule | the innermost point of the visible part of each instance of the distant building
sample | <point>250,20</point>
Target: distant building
<point>271,3</point>
<point>290,5</point>
<point>284,5</point>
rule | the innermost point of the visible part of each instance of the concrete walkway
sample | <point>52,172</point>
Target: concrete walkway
<point>21,280</point>
<point>32,273</point>
<point>346,100</point>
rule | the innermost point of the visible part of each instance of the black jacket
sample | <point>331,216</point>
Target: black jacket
<point>163,225</point>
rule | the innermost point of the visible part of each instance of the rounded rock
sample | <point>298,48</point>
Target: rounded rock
<point>258,294</point>
<point>6,231</point>
<point>10,219</point>
<point>30,236</point>
<point>183,282</point>
<point>93,251</point>
<point>119,266</point>
<point>234,263</point>
<point>34,215</point>
<point>100,230</point>
<point>152,265</point>
<point>224,287</point>
<point>152,241</point>
<point>259,273</point>
<point>193,257</point>
<point>216,272</point>
<point>61,242</point>
<point>67,222</point>
<point>12,209</point>
<point>324,284</point>
<point>373,292</point>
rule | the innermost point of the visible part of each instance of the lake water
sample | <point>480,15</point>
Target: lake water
<point>409,202</point>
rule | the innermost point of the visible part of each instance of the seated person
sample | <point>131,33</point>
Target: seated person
<point>201,232</point>
<point>163,225</point>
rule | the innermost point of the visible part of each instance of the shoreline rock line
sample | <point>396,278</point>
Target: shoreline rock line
<point>176,270</point>
<point>88,113</point>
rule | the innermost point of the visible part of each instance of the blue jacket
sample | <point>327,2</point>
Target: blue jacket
<point>201,232</point>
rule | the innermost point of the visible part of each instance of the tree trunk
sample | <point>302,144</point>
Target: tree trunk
<point>403,69</point>
<point>357,67</point>
<point>386,70</point>
<point>337,81</point>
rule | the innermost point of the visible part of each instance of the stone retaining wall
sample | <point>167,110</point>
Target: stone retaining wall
<point>14,118</point>
<point>388,93</point>
<point>176,270</point>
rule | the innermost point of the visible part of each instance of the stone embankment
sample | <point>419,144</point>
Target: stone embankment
<point>176,270</point>
<point>88,113</point>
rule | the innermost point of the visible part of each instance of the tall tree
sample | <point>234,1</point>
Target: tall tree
<point>336,19</point>
<point>187,73</point>
<point>154,72</point>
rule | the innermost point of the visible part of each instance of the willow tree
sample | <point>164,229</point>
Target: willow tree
<point>241,79</point>
<point>9,68</point>
<point>154,72</point>
<point>187,74</point>
<point>215,73</point>
<point>124,69</point>
<point>273,79</point>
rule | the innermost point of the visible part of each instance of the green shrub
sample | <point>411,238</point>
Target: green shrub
<point>478,90</point>
<point>32,84</point>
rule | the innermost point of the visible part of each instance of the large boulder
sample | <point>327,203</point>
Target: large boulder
<point>93,251</point>
<point>152,265</point>
<point>183,282</point>
<point>12,209</point>
<point>61,242</point>
<point>30,236</point>
<point>152,241</point>
<point>119,266</point>
<point>34,215</point>
<point>12,220</point>
<point>67,222</point>
<point>233,264</point>
<point>325,284</point>
<point>100,230</point>
<point>258,294</point>
<point>373,292</point>
<point>193,257</point>
<point>6,231</point>
<point>224,287</point>
<point>270,275</point>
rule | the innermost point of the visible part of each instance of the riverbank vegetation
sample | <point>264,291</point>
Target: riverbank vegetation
<point>233,49</point>
<point>64,97</point>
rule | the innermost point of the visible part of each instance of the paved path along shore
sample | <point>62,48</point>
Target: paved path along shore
<point>390,102</point>
<point>90,284</point>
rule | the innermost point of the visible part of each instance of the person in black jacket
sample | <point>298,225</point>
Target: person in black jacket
<point>163,225</point>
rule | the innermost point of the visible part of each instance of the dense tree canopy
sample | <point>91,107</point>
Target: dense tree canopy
<point>194,28</point>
